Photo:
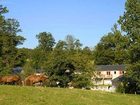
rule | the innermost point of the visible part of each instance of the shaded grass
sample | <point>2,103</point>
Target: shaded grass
<point>14,95</point>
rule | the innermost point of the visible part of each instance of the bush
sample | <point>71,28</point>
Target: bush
<point>120,88</point>
<point>81,81</point>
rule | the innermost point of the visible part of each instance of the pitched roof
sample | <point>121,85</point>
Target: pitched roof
<point>110,67</point>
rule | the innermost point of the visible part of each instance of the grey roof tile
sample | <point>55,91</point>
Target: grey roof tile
<point>110,67</point>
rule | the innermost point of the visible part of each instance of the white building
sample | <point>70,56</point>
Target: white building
<point>104,76</point>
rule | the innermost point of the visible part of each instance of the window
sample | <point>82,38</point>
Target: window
<point>114,72</point>
<point>108,73</point>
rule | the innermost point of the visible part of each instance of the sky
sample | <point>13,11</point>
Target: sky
<point>86,20</point>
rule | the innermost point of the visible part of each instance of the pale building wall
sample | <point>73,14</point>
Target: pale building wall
<point>116,74</point>
<point>113,74</point>
<point>106,79</point>
<point>103,82</point>
<point>108,82</point>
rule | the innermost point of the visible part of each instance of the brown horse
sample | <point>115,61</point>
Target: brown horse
<point>10,80</point>
<point>35,79</point>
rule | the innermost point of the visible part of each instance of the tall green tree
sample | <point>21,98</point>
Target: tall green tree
<point>112,48</point>
<point>40,55</point>
<point>9,40</point>
<point>3,10</point>
<point>130,24</point>
<point>130,21</point>
<point>46,41</point>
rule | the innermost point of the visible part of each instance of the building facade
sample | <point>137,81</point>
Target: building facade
<point>104,76</point>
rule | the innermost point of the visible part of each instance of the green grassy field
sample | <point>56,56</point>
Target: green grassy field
<point>14,95</point>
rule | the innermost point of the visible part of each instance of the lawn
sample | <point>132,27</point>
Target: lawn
<point>16,95</point>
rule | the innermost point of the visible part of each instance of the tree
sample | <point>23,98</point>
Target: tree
<point>130,24</point>
<point>60,69</point>
<point>28,68</point>
<point>40,55</point>
<point>72,43</point>
<point>84,69</point>
<point>22,55</point>
<point>61,45</point>
<point>11,26</point>
<point>39,58</point>
<point>77,44</point>
<point>82,81</point>
<point>130,21</point>
<point>3,10</point>
<point>9,40</point>
<point>87,50</point>
<point>111,49</point>
<point>46,41</point>
<point>65,62</point>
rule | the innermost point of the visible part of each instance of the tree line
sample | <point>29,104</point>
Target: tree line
<point>61,61</point>
<point>67,61</point>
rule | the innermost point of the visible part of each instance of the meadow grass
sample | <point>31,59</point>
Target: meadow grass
<point>16,95</point>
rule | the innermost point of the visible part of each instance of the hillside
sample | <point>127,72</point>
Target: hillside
<point>13,95</point>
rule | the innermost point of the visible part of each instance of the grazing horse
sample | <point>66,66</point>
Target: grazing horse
<point>35,79</point>
<point>10,80</point>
